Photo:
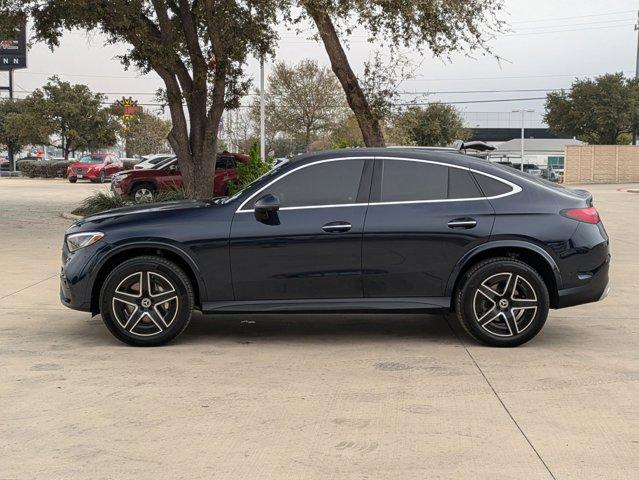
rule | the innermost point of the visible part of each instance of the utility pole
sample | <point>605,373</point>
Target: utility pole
<point>262,113</point>
<point>523,127</point>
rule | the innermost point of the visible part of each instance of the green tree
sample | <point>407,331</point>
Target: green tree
<point>302,101</point>
<point>74,115</point>
<point>431,27</point>
<point>144,134</point>
<point>436,125</point>
<point>603,110</point>
<point>197,47</point>
<point>21,125</point>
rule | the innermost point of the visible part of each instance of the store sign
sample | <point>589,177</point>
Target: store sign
<point>13,52</point>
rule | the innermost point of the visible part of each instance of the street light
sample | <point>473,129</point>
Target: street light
<point>523,112</point>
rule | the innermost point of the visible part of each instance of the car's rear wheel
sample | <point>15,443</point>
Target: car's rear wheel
<point>502,302</point>
<point>102,177</point>
<point>146,301</point>
<point>142,193</point>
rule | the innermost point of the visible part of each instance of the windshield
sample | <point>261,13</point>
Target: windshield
<point>162,163</point>
<point>92,159</point>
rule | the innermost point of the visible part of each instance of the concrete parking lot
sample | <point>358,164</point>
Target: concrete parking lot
<point>308,397</point>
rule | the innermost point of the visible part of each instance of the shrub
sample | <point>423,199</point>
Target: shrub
<point>99,202</point>
<point>250,171</point>
<point>43,168</point>
<point>102,201</point>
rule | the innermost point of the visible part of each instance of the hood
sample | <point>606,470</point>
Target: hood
<point>145,209</point>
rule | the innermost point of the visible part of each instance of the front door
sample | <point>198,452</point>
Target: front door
<point>423,216</point>
<point>312,247</point>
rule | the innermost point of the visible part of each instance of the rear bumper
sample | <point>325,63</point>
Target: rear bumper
<point>594,289</point>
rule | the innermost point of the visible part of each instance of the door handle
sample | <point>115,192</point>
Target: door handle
<point>462,223</point>
<point>337,227</point>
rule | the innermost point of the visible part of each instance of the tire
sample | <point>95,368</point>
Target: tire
<point>135,315</point>
<point>102,177</point>
<point>73,180</point>
<point>142,193</point>
<point>502,302</point>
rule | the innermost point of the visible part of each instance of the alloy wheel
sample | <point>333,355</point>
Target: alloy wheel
<point>145,303</point>
<point>505,304</point>
<point>143,195</point>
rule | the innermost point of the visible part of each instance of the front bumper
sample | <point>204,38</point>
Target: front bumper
<point>594,289</point>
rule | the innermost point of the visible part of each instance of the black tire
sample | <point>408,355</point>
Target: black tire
<point>73,180</point>
<point>102,177</point>
<point>141,320</point>
<point>497,312</point>
<point>139,188</point>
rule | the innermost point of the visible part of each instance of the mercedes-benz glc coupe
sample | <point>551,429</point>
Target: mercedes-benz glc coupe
<point>364,230</point>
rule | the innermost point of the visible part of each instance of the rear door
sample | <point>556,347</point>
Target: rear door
<point>423,216</point>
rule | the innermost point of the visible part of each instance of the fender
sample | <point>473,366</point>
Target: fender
<point>522,244</point>
<point>160,244</point>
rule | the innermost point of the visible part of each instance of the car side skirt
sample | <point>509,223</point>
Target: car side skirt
<point>414,304</point>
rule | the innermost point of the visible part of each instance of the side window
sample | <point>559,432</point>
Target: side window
<point>405,181</point>
<point>461,184</point>
<point>492,187</point>
<point>327,183</point>
<point>225,162</point>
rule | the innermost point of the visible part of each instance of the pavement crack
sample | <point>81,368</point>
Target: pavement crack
<point>470,355</point>
<point>28,286</point>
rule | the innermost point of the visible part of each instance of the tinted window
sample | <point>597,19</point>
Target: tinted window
<point>405,181</point>
<point>329,183</point>
<point>413,181</point>
<point>492,187</point>
<point>461,184</point>
<point>225,162</point>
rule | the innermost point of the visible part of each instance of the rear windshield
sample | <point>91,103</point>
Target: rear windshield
<point>528,177</point>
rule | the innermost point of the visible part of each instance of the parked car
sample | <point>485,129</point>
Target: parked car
<point>549,173</point>
<point>5,165</point>
<point>97,167</point>
<point>529,168</point>
<point>353,230</point>
<point>151,162</point>
<point>143,184</point>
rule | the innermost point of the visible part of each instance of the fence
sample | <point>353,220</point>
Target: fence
<point>602,164</point>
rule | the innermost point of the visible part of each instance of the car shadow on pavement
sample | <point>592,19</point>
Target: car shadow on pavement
<point>317,328</point>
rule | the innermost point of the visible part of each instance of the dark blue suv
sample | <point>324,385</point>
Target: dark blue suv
<point>365,230</point>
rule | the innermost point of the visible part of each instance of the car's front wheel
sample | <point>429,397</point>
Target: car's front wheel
<point>142,193</point>
<point>146,301</point>
<point>502,302</point>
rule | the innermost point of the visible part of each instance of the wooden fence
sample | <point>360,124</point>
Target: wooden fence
<point>601,164</point>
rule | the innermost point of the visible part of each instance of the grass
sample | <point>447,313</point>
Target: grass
<point>103,201</point>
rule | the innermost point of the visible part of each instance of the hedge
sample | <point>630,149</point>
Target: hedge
<point>43,168</point>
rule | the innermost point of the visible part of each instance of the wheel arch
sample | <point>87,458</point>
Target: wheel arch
<point>143,181</point>
<point>529,253</point>
<point>167,251</point>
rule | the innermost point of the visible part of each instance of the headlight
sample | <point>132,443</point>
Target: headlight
<point>81,240</point>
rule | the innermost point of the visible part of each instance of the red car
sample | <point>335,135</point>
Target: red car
<point>142,184</point>
<point>96,167</point>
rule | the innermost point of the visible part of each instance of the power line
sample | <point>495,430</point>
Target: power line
<point>575,16</point>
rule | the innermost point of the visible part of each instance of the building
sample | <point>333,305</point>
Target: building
<point>538,151</point>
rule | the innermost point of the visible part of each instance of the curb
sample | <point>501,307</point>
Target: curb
<point>633,190</point>
<point>70,216</point>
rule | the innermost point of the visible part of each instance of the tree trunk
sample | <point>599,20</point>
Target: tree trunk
<point>368,123</point>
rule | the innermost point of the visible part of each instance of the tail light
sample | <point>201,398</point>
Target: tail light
<point>587,215</point>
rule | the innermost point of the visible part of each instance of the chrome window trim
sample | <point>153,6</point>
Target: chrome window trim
<point>515,188</point>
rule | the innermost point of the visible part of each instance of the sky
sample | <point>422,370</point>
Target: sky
<point>550,43</point>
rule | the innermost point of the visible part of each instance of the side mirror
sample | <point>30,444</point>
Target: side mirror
<point>265,205</point>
